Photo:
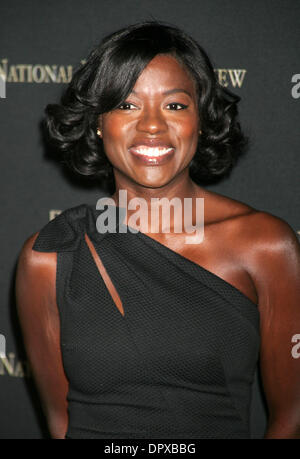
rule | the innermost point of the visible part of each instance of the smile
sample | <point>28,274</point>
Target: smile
<point>151,152</point>
<point>152,156</point>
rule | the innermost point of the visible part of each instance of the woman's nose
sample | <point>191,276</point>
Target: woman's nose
<point>152,120</point>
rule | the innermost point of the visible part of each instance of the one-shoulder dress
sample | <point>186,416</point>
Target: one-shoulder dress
<point>179,363</point>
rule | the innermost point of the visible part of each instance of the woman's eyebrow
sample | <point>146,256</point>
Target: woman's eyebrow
<point>169,91</point>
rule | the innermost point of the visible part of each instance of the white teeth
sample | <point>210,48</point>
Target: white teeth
<point>149,151</point>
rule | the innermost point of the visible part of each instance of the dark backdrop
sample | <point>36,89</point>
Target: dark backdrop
<point>254,49</point>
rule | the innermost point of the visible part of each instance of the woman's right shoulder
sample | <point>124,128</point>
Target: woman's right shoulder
<point>28,251</point>
<point>63,233</point>
<point>37,260</point>
<point>38,254</point>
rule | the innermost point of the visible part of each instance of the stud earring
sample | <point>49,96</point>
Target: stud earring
<point>99,132</point>
<point>200,132</point>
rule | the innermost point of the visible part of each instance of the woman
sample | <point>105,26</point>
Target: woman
<point>139,334</point>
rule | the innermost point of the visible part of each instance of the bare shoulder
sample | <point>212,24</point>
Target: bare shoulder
<point>30,258</point>
<point>268,232</point>
<point>251,223</point>
<point>270,254</point>
<point>256,237</point>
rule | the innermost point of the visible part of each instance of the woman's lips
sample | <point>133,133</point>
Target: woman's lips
<point>152,155</point>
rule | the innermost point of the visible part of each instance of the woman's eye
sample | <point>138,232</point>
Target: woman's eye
<point>125,105</point>
<point>177,104</point>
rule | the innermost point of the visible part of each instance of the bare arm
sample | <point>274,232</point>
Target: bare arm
<point>39,319</point>
<point>276,271</point>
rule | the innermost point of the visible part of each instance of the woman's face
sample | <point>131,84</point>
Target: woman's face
<point>152,136</point>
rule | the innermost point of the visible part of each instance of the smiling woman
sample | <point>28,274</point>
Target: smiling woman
<point>153,130</point>
<point>144,335</point>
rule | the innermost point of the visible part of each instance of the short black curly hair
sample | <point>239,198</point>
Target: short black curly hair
<point>107,78</point>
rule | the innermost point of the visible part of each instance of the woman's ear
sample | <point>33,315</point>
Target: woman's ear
<point>99,126</point>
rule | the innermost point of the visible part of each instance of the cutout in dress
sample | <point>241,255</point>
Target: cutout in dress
<point>105,276</point>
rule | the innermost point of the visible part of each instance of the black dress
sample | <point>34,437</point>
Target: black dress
<point>179,363</point>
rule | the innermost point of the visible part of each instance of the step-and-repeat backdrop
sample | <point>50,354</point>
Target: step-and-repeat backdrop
<point>254,48</point>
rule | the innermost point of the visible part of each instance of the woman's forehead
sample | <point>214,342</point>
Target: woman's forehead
<point>163,73</point>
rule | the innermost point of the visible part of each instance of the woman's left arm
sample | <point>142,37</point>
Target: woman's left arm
<point>275,266</point>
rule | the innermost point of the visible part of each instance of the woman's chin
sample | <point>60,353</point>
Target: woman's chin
<point>153,181</point>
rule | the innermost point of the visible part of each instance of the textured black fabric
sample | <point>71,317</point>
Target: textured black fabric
<point>179,364</point>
